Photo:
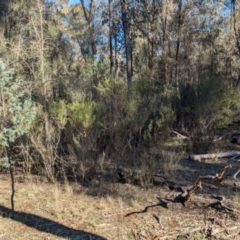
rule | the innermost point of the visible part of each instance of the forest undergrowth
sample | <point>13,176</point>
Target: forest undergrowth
<point>101,103</point>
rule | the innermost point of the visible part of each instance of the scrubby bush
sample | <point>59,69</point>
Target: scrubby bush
<point>204,108</point>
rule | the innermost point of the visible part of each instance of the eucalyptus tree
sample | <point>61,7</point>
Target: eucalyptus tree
<point>235,16</point>
<point>17,113</point>
<point>236,30</point>
<point>41,54</point>
<point>127,39</point>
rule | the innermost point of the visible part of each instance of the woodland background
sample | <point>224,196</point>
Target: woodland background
<point>106,81</point>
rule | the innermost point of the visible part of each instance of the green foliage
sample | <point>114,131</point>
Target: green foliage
<point>131,116</point>
<point>167,117</point>
<point>112,95</point>
<point>82,112</point>
<point>138,118</point>
<point>59,112</point>
<point>208,105</point>
<point>4,162</point>
<point>205,107</point>
<point>216,104</point>
<point>16,108</point>
<point>110,87</point>
<point>227,105</point>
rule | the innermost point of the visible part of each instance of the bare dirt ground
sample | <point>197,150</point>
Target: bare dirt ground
<point>122,211</point>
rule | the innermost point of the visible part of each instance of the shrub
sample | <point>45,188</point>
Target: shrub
<point>17,111</point>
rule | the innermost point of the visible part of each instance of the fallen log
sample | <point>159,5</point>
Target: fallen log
<point>200,157</point>
<point>230,154</point>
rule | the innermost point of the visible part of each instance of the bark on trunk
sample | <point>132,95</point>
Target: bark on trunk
<point>179,31</point>
<point>127,41</point>
<point>110,36</point>
<point>235,25</point>
<point>89,18</point>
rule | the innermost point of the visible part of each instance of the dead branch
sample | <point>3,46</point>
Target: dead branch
<point>198,183</point>
<point>217,138</point>
<point>209,186</point>
<point>220,230</point>
<point>175,236</point>
<point>218,197</point>
<point>178,188</point>
<point>223,206</point>
<point>180,136</point>
<point>236,173</point>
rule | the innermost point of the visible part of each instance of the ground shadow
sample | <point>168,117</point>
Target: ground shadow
<point>49,226</point>
<point>143,211</point>
<point>193,169</point>
<point>161,203</point>
<point>189,171</point>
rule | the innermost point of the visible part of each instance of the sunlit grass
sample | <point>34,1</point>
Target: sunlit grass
<point>100,215</point>
<point>102,211</point>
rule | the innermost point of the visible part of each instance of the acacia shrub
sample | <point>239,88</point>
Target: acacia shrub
<point>205,107</point>
<point>129,125</point>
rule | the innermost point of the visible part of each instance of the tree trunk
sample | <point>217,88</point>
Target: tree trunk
<point>164,54</point>
<point>11,170</point>
<point>127,41</point>
<point>110,36</point>
<point>235,25</point>
<point>179,31</point>
<point>13,186</point>
<point>237,36</point>
<point>89,19</point>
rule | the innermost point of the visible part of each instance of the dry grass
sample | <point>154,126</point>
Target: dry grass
<point>53,211</point>
<point>69,206</point>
